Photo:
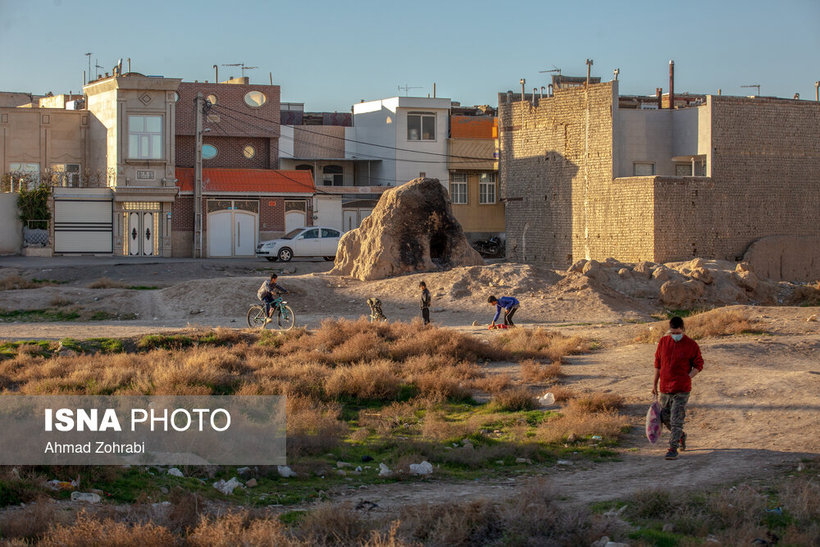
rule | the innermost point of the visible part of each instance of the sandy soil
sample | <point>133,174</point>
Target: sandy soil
<point>754,410</point>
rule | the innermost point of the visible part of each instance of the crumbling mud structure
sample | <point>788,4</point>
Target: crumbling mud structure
<point>412,229</point>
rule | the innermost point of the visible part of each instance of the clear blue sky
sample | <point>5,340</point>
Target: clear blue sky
<point>331,54</point>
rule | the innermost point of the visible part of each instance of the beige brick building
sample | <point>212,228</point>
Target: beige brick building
<point>584,178</point>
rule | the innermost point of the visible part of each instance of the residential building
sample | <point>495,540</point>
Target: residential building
<point>583,178</point>
<point>473,174</point>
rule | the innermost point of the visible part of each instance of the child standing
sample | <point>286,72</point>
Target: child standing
<point>425,303</point>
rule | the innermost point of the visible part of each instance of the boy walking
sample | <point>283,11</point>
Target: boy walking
<point>425,303</point>
<point>677,361</point>
<point>506,303</point>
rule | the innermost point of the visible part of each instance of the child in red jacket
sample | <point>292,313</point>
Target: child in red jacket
<point>677,361</point>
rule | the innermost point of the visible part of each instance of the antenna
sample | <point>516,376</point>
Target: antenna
<point>554,69</point>
<point>407,88</point>
<point>244,68</point>
<point>757,86</point>
<point>97,65</point>
<point>89,54</point>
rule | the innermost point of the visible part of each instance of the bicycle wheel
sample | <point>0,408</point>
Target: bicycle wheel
<point>256,317</point>
<point>285,318</point>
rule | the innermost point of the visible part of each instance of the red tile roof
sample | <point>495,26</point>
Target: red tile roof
<point>259,181</point>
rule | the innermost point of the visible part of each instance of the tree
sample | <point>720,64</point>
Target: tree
<point>33,206</point>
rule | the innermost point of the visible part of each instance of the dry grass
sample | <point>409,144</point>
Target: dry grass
<point>14,282</point>
<point>535,372</point>
<point>30,522</point>
<point>88,531</point>
<point>542,344</point>
<point>710,324</point>
<point>596,402</point>
<point>238,528</point>
<point>107,283</point>
<point>515,399</point>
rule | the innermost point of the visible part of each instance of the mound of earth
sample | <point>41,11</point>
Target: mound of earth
<point>412,229</point>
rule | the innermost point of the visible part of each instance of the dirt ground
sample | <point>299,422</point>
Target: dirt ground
<point>754,410</point>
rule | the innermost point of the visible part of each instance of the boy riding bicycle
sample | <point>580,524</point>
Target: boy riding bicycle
<point>268,292</point>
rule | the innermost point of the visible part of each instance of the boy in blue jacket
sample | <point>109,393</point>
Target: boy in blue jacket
<point>506,303</point>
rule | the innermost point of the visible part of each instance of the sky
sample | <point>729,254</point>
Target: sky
<point>331,54</point>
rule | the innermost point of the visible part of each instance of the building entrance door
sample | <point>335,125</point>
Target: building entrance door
<point>141,227</point>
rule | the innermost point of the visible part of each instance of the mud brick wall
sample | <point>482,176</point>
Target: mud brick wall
<point>562,203</point>
<point>765,181</point>
<point>556,179</point>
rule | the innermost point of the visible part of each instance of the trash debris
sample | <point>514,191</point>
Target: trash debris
<point>564,462</point>
<point>523,460</point>
<point>365,505</point>
<point>251,483</point>
<point>423,468</point>
<point>546,399</point>
<point>175,472</point>
<point>285,471</point>
<point>384,471</point>
<point>243,470</point>
<point>227,487</point>
<point>85,496</point>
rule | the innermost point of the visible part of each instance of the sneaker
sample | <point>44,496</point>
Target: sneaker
<point>672,454</point>
<point>268,320</point>
<point>682,442</point>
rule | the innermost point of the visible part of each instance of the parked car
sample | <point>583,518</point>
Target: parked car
<point>308,241</point>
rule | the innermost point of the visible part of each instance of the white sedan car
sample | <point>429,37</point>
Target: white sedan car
<point>308,241</point>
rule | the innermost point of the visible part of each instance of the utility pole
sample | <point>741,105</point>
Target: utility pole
<point>198,102</point>
<point>817,91</point>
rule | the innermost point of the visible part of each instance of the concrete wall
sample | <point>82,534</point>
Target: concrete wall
<point>373,122</point>
<point>655,136</point>
<point>43,136</point>
<point>11,229</point>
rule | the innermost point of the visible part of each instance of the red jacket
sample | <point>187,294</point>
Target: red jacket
<point>675,360</point>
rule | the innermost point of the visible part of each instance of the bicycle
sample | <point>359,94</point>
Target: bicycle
<point>282,316</point>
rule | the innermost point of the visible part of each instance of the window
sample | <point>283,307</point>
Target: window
<point>255,99</point>
<point>486,188</point>
<point>145,137</point>
<point>458,188</point>
<point>327,232</point>
<point>683,169</point>
<point>311,234</point>
<point>67,174</point>
<point>333,175</point>
<point>24,175</point>
<point>209,151</point>
<point>643,169</point>
<point>421,126</point>
<point>249,151</point>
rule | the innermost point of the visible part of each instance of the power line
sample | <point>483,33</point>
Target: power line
<point>345,139</point>
<point>368,156</point>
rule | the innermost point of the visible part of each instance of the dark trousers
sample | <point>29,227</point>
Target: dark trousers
<point>425,315</point>
<point>509,315</point>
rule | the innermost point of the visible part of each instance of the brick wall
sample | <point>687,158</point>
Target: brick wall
<point>230,152</point>
<point>562,203</point>
<point>554,197</point>
<point>230,115</point>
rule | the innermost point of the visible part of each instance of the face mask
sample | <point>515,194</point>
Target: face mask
<point>676,337</point>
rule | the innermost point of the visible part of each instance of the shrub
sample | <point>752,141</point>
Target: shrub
<point>535,372</point>
<point>515,399</point>
<point>710,324</point>
<point>88,531</point>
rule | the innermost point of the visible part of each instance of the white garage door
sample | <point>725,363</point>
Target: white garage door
<point>83,225</point>
<point>231,233</point>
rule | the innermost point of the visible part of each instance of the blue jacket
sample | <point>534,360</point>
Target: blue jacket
<point>504,302</point>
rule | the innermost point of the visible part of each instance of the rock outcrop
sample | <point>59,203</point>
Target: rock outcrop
<point>412,229</point>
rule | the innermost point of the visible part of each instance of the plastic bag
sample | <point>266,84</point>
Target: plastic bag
<point>653,422</point>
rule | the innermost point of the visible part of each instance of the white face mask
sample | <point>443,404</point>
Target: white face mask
<point>676,337</point>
